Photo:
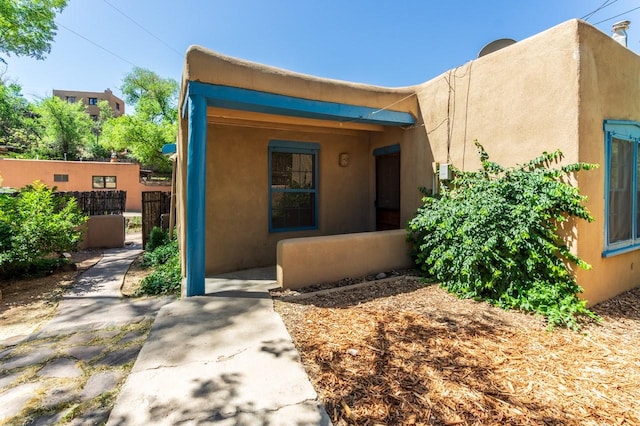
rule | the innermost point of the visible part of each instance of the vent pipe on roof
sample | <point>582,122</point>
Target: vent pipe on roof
<point>620,32</point>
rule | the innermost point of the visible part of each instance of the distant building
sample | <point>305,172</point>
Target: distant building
<point>90,100</point>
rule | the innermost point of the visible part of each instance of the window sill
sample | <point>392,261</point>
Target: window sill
<point>619,250</point>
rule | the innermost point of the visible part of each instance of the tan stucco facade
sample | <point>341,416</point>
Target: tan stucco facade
<point>77,176</point>
<point>90,100</point>
<point>551,91</point>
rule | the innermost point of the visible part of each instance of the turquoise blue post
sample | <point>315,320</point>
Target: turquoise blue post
<point>196,195</point>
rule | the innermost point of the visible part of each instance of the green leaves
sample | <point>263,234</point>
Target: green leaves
<point>66,129</point>
<point>27,27</point>
<point>166,277</point>
<point>154,124</point>
<point>35,224</point>
<point>493,235</point>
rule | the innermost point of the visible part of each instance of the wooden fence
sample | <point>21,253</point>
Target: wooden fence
<point>154,205</point>
<point>95,203</point>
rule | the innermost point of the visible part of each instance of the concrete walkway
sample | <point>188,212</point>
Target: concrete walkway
<point>225,358</point>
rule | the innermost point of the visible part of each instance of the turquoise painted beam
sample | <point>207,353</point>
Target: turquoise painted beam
<point>168,149</point>
<point>196,195</point>
<point>272,103</point>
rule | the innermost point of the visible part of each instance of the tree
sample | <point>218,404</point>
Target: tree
<point>27,27</point>
<point>154,98</point>
<point>66,129</point>
<point>17,127</point>
<point>94,149</point>
<point>140,138</point>
<point>153,124</point>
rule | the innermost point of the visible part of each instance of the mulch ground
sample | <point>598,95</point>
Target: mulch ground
<point>402,352</point>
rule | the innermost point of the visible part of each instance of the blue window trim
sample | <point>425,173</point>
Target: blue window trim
<point>386,150</point>
<point>295,148</point>
<point>628,131</point>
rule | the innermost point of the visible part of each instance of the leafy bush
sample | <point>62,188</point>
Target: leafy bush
<point>157,238</point>
<point>161,254</point>
<point>167,276</point>
<point>493,235</point>
<point>36,224</point>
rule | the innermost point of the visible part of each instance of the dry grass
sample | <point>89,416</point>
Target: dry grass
<point>402,353</point>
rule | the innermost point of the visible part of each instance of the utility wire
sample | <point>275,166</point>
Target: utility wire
<point>143,28</point>
<point>607,3</point>
<point>97,45</point>
<point>620,14</point>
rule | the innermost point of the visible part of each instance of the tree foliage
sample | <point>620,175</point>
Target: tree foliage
<point>153,124</point>
<point>17,127</point>
<point>34,224</point>
<point>27,27</point>
<point>154,98</point>
<point>141,139</point>
<point>67,129</point>
<point>494,235</point>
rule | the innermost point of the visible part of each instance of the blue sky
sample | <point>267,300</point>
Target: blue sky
<point>387,43</point>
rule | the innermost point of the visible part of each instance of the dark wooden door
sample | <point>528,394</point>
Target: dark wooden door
<point>388,191</point>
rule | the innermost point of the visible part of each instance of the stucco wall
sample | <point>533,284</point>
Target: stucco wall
<point>308,261</point>
<point>237,217</point>
<point>550,91</point>
<point>106,231</point>
<point>609,89</point>
<point>17,173</point>
<point>83,97</point>
<point>517,102</point>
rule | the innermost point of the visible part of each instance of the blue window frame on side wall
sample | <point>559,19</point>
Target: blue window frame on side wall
<point>622,188</point>
<point>293,186</point>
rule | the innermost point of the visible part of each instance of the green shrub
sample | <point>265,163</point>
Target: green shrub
<point>493,235</point>
<point>36,224</point>
<point>157,238</point>
<point>161,254</point>
<point>166,278</point>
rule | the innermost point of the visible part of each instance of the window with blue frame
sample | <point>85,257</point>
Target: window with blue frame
<point>293,186</point>
<point>622,188</point>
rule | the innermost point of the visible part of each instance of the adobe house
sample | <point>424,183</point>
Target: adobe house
<point>80,176</point>
<point>279,167</point>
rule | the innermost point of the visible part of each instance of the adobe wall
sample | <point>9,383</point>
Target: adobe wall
<point>104,231</point>
<point>17,173</point>
<point>551,91</point>
<point>609,89</point>
<point>237,219</point>
<point>306,261</point>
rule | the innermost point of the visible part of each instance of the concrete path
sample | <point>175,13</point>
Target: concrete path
<point>224,359</point>
<point>70,370</point>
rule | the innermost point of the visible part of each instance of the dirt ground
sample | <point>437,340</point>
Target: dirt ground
<point>26,304</point>
<point>134,276</point>
<point>403,352</point>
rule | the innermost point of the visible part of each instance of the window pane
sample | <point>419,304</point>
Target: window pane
<point>620,190</point>
<point>110,182</point>
<point>292,209</point>
<point>302,171</point>
<point>281,169</point>
<point>98,182</point>
<point>292,171</point>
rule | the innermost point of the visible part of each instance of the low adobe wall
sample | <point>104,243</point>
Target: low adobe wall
<point>312,260</point>
<point>106,231</point>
